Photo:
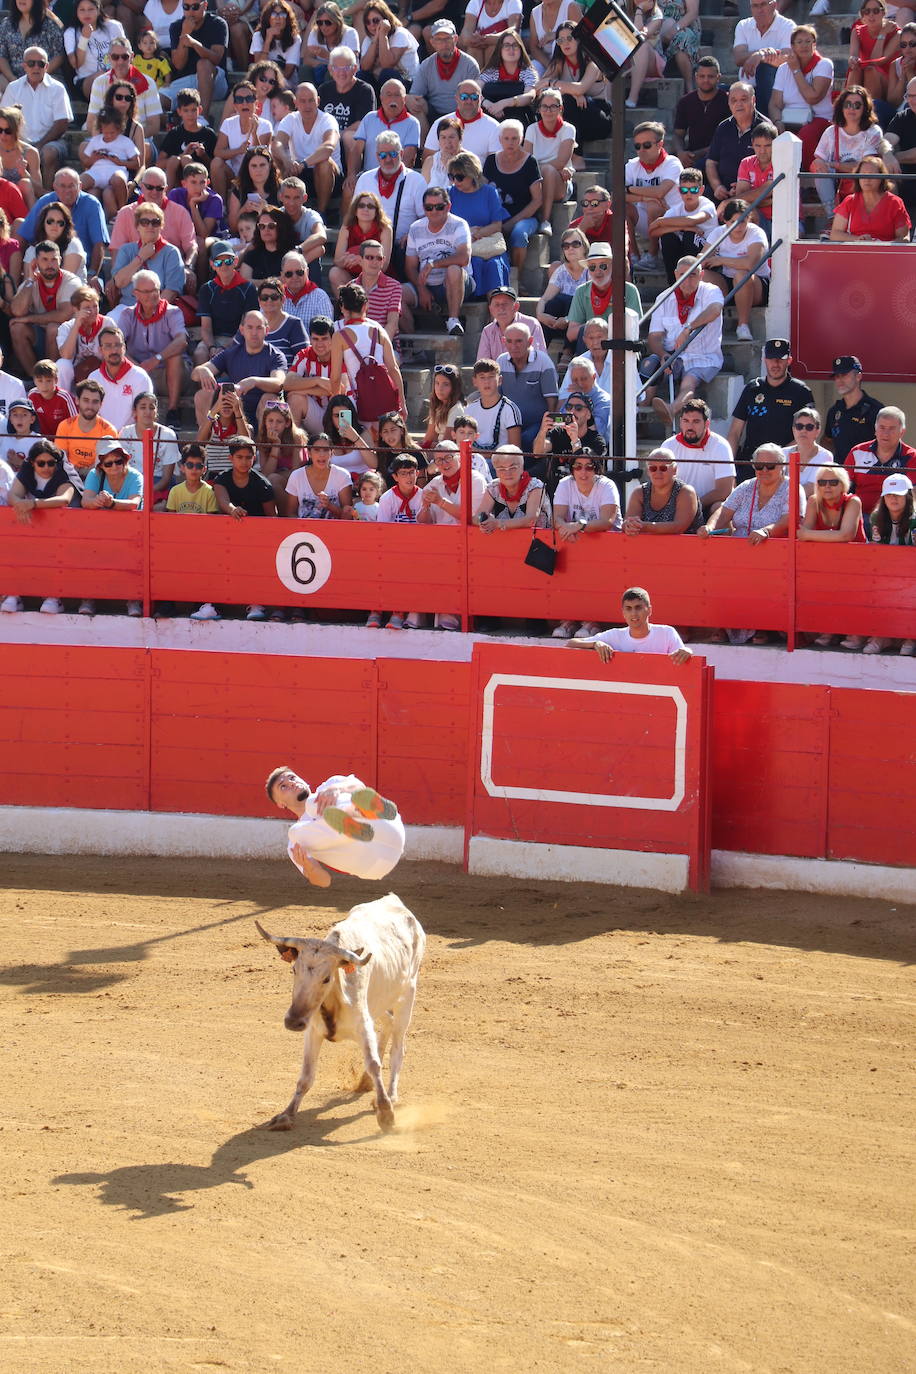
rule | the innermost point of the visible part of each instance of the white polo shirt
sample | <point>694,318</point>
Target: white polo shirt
<point>480,137</point>
<point>42,105</point>
<point>706,348</point>
<point>118,404</point>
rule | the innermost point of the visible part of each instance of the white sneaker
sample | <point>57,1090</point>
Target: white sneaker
<point>908,648</point>
<point>256,613</point>
<point>86,607</point>
<point>51,606</point>
<point>648,263</point>
<point>874,646</point>
<point>454,326</point>
<point>546,228</point>
<point>134,608</point>
<point>565,630</point>
<point>743,332</point>
<point>414,621</point>
<point>206,612</point>
<point>824,641</point>
<point>11,604</point>
<point>588,630</point>
<point>852,642</point>
<point>453,623</point>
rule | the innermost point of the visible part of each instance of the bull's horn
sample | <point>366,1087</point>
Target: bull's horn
<point>352,956</point>
<point>264,935</point>
<point>291,941</point>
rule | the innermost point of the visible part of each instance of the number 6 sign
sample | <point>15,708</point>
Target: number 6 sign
<point>303,563</point>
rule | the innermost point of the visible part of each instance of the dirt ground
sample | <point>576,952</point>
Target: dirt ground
<point>637,1133</point>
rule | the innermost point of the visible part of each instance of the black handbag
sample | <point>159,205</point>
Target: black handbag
<point>541,555</point>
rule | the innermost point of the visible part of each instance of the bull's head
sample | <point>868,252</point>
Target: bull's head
<point>314,963</point>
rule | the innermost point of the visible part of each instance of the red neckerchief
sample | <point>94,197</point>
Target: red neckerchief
<point>603,233</point>
<point>601,300</point>
<point>694,443</point>
<point>121,372</point>
<point>452,483</point>
<point>49,294</point>
<point>652,166</point>
<point>221,431</point>
<point>386,185</point>
<point>505,75</point>
<point>465,122</point>
<point>388,122</point>
<point>306,291</point>
<point>815,58</point>
<point>447,69</point>
<point>160,244</point>
<point>156,316</point>
<point>94,332</point>
<point>522,488</point>
<point>547,132</point>
<point>404,500</point>
<point>237,280</point>
<point>684,304</point>
<point>573,71</point>
<point>134,77</point>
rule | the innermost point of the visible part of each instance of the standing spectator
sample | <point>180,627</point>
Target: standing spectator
<point>432,91</point>
<point>46,109</point>
<point>438,257</point>
<point>28,22</point>
<point>308,146</point>
<point>651,181</point>
<point>399,189</point>
<point>223,302</point>
<point>704,459</point>
<point>382,292</point>
<point>502,303</point>
<point>198,43</point>
<point>762,43</point>
<point>690,305</point>
<point>241,492</point>
<point>765,408</point>
<point>872,213</point>
<point>498,419</point>
<point>301,297</point>
<point>191,140</point>
<point>806,430</point>
<point>348,100</point>
<point>50,404</point>
<point>803,85</point>
<point>40,306</point>
<point>529,379</point>
<point>177,225</point>
<point>739,248</point>
<point>284,330</point>
<point>869,463</point>
<point>664,504</point>
<point>153,253</point>
<point>901,135</point>
<point>732,141</point>
<point>358,340</point>
<point>242,363</point>
<point>683,227</point>
<point>392,113</point>
<point>851,419</point>
<point>698,114</point>
<point>120,379</point>
<point>79,437</point>
<point>155,337</point>
<point>517,178</point>
<point>853,134</point>
<point>86,211</point>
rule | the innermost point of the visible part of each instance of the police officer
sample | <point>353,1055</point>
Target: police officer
<point>765,407</point>
<point>851,419</point>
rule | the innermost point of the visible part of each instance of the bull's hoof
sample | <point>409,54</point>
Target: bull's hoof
<point>385,1118</point>
<point>281,1122</point>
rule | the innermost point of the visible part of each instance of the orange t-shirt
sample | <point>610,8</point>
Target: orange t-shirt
<point>80,446</point>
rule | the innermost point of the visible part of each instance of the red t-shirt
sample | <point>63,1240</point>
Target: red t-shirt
<point>884,221</point>
<point>11,201</point>
<point>51,412</point>
<point>858,537</point>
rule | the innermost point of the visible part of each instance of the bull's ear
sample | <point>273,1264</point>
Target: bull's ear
<point>287,953</point>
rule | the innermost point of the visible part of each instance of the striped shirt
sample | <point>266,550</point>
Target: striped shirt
<point>384,298</point>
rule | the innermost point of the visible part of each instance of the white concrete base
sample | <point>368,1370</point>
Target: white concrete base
<point>833,877</point>
<point>567,863</point>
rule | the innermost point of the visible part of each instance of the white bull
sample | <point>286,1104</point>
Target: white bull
<point>364,971</point>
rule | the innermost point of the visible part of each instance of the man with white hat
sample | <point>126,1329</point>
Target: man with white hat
<point>593,300</point>
<point>432,91</point>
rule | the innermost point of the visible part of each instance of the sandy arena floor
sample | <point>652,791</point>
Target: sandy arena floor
<point>636,1133</point>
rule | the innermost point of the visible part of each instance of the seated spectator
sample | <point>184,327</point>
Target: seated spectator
<point>762,44</point>
<point>120,98</point>
<point>151,253</point>
<point>165,445</point>
<point>36,24</point>
<point>441,500</point>
<point>198,43</point>
<point>516,177</point>
<point>364,220</point>
<point>445,403</point>
<point>438,258</point>
<point>803,85</point>
<point>392,111</point>
<point>581,85</point>
<point>320,490</point>
<point>307,145</point>
<point>596,221</point>
<point>514,499</point>
<point>449,130</point>
<point>868,464</point>
<point>651,178</point>
<point>806,431</point>
<point>223,302</point>
<point>177,226</point>
<point>680,38</point>
<point>308,226</point>
<point>529,379</point>
<point>79,438</point>
<point>368,491</point>
<point>147,108</point>
<point>280,445</point>
<point>302,299</point>
<point>872,213</point>
<point>348,100</point>
<point>550,141</point>
<point>756,510</point>
<point>277,37</point>
<point>389,49</point>
<point>40,484</point>
<point>242,364</point>
<point>241,492</point>
<point>40,305</point>
<point>499,419</point>
<point>257,186</point>
<point>21,432</point>
<point>648,60</point>
<point>693,304</point>
<point>480,206</point>
<point>274,237</point>
<point>51,404</point>
<point>120,379</point>
<point>581,377</point>
<point>392,440</point>
<point>586,502</point>
<point>223,421</point>
<point>732,141</point>
<point>892,521</point>
<point>594,299</point>
<point>55,225</point>
<point>543,28</point>
<point>202,203</point>
<point>326,31</point>
<point>400,191</point>
<point>433,89</point>
<point>400,505</point>
<point>88,218</point>
<point>568,432</point>
<point>349,447</point>
<point>385,305</point>
<point>284,330</point>
<point>739,247</point>
<point>854,133</point>
<point>307,385</point>
<point>662,504</point>
<point>241,136</point>
<point>108,156</point>
<point>504,311</point>
<point>484,20</point>
<point>191,140</point>
<point>832,514</point>
<point>151,61</point>
<point>638,636</point>
<point>21,168</point>
<point>564,278</point>
<point>756,172</point>
<point>873,46</point>
<point>698,114</point>
<point>901,135</point>
<point>155,337</point>
<point>509,82</point>
<point>683,226</point>
<point>480,132</point>
<point>46,109</point>
<point>466,430</point>
<point>903,68</point>
<point>763,412</point>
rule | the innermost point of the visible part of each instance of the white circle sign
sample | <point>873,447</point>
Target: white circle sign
<point>303,563</point>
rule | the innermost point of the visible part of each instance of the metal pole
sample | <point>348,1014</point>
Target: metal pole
<point>618,275</point>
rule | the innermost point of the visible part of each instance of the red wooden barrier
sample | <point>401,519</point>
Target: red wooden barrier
<point>73,553</point>
<point>872,761</point>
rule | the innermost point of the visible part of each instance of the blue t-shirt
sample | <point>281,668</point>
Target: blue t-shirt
<point>168,265</point>
<point>88,220</point>
<point>132,485</point>
<point>372,124</point>
<point>290,338</point>
<point>236,363</point>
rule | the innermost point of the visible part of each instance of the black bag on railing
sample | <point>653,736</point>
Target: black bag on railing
<point>540,555</point>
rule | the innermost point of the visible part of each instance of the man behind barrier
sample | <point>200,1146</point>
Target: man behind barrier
<point>638,636</point>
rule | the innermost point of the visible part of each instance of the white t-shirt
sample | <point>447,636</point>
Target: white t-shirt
<point>676,207</point>
<point>364,859</point>
<point>794,109</point>
<point>580,506</point>
<point>97,45</point>
<point>480,137</point>
<point>118,403</point>
<point>661,639</point>
<point>778,35</point>
<point>7,478</point>
<point>309,505</point>
<point>852,147</point>
<point>18,446</point>
<point>706,349</point>
<point>739,248</point>
<point>509,9</point>
<point>232,128</point>
<point>823,458</point>
<point>429,246</point>
<point>284,57</point>
<point>505,412</point>
<point>120,147</point>
<point>537,21</point>
<point>478,491</point>
<point>404,44</point>
<point>669,169</point>
<point>390,505</point>
<point>11,389</point>
<point>160,21</point>
<point>303,144</point>
<point>702,476</point>
<point>165,448</point>
<point>544,149</point>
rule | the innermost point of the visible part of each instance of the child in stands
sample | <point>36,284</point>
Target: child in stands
<point>51,404</point>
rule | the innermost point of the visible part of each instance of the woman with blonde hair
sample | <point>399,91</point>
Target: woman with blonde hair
<point>327,30</point>
<point>365,220</point>
<point>280,446</point>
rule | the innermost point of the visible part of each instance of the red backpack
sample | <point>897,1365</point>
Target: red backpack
<point>375,389</point>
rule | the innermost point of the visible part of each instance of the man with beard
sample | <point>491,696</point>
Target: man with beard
<point>120,379</point>
<point>80,436</point>
<point>699,113</point>
<point>704,459</point>
<point>40,306</point>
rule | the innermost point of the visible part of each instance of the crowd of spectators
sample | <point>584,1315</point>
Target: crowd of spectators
<point>189,250</point>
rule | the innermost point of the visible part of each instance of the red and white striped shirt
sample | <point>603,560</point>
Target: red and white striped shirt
<point>306,364</point>
<point>384,298</point>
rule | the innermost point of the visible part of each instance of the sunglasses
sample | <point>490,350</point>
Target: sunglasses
<point>5,130</point>
<point>149,223</point>
<point>445,370</point>
<point>266,224</point>
<point>384,157</point>
<point>243,99</point>
<point>364,205</point>
<point>45,463</point>
<point>828,481</point>
<point>120,56</point>
<point>295,272</point>
<point>457,176</point>
<point>188,9</point>
<point>468,95</point>
<point>691,186</point>
<point>268,296</point>
<point>599,267</point>
<point>803,424</point>
<point>641,147</point>
<point>326,23</point>
<point>570,243</point>
<point>49,220</point>
<point>435,205</point>
<point>124,97</point>
<point>901,44</point>
<point>223,262</point>
<point>853,104</point>
<point>591,204</point>
<point>34,62</point>
<point>657,467</point>
<point>114,463</point>
<point>583,467</point>
<point>150,185</point>
<point>765,467</point>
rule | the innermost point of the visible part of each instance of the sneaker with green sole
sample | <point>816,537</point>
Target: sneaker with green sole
<point>374,807</point>
<point>347,825</point>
